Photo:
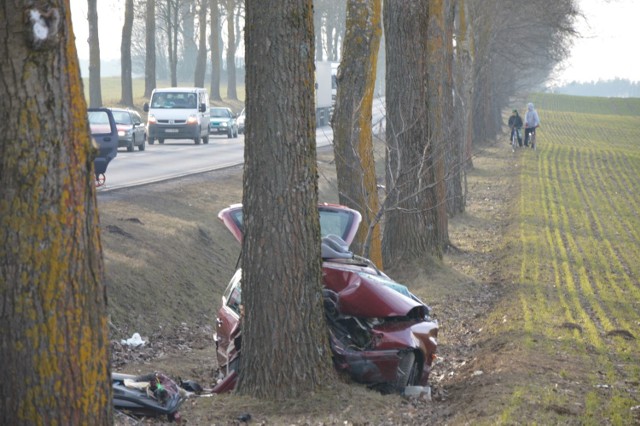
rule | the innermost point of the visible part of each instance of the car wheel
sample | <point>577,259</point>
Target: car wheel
<point>161,141</point>
<point>229,133</point>
<point>152,141</point>
<point>142,145</point>
<point>407,371</point>
<point>131,144</point>
<point>205,140</point>
<point>236,134</point>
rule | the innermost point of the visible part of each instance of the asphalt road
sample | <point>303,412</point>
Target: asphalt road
<point>176,158</point>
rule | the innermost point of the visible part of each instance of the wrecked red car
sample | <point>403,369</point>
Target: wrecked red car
<point>380,333</point>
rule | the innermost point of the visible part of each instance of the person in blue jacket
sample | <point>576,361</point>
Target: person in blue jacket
<point>531,123</point>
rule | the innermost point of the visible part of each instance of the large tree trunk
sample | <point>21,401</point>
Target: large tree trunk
<point>186,29</point>
<point>173,24</point>
<point>232,93</point>
<point>440,109</point>
<point>95,90</point>
<point>285,348</point>
<point>215,52</point>
<point>456,174</point>
<point>54,342</point>
<point>125,55</point>
<point>317,25</point>
<point>411,221</point>
<point>352,132</point>
<point>201,63</point>
<point>150,49</point>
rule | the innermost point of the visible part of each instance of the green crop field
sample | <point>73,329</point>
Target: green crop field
<point>577,263</point>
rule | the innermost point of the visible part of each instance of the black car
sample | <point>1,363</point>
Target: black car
<point>131,129</point>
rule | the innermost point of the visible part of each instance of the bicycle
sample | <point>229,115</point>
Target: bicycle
<point>530,137</point>
<point>514,139</point>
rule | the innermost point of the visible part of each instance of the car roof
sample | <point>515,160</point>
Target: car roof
<point>179,89</point>
<point>121,109</point>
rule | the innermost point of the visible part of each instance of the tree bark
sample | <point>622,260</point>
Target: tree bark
<point>95,88</point>
<point>411,211</point>
<point>440,107</point>
<point>215,52</point>
<point>125,55</point>
<point>188,56</point>
<point>54,342</point>
<point>201,63</point>
<point>232,92</point>
<point>456,187</point>
<point>150,49</point>
<point>172,26</point>
<point>351,122</point>
<point>285,348</point>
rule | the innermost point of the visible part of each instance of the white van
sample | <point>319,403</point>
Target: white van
<point>178,113</point>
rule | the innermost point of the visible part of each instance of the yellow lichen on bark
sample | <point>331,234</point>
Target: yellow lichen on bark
<point>54,327</point>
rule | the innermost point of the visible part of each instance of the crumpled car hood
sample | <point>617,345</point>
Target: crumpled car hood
<point>366,295</point>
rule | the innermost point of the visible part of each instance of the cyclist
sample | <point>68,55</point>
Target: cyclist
<point>531,122</point>
<point>515,124</point>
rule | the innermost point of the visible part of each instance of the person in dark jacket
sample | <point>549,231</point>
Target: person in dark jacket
<point>515,124</point>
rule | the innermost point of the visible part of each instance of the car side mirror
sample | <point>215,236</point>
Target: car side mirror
<point>203,108</point>
<point>145,107</point>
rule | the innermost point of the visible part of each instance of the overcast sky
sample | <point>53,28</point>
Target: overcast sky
<point>607,50</point>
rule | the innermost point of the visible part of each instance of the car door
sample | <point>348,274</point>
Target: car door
<point>228,320</point>
<point>105,133</point>
<point>138,127</point>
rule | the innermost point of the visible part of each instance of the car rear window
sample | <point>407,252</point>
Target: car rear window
<point>332,222</point>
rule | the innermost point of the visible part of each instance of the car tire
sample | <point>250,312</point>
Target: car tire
<point>141,147</point>
<point>407,371</point>
<point>229,133</point>
<point>205,140</point>
<point>132,144</point>
<point>152,141</point>
<point>160,141</point>
<point>236,134</point>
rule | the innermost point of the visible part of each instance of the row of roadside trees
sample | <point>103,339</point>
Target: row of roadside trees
<point>192,41</point>
<point>451,66</point>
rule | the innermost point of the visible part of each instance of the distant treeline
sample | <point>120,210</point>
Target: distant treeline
<point>618,88</point>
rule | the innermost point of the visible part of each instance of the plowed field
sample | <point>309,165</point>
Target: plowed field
<point>538,298</point>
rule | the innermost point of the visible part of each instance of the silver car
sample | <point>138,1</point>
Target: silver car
<point>131,129</point>
<point>240,121</point>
